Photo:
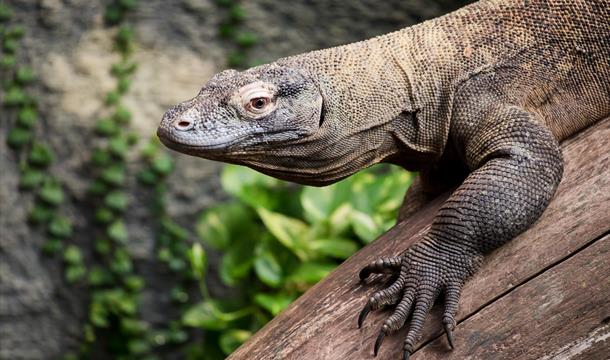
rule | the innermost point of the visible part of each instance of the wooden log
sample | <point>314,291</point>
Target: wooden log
<point>321,324</point>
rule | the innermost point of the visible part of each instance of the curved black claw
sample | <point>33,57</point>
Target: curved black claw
<point>449,333</point>
<point>379,341</point>
<point>406,355</point>
<point>364,273</point>
<point>363,314</point>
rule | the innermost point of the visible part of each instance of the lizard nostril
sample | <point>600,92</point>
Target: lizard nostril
<point>183,124</point>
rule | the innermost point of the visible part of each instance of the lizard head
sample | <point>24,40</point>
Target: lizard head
<point>260,108</point>
<point>265,117</point>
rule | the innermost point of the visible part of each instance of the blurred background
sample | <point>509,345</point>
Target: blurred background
<point>113,247</point>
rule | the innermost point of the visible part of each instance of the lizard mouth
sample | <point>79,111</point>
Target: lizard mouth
<point>226,145</point>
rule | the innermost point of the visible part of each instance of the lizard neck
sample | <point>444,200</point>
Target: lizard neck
<point>377,101</point>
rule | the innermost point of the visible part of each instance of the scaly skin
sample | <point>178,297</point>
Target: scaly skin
<point>492,87</point>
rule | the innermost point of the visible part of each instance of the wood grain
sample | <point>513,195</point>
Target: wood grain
<point>321,324</point>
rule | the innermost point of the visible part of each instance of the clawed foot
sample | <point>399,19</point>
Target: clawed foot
<point>423,272</point>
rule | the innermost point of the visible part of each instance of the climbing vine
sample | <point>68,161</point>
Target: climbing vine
<point>115,287</point>
<point>231,29</point>
<point>34,156</point>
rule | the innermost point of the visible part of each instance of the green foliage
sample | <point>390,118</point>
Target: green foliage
<point>18,137</point>
<point>5,13</point>
<point>230,28</point>
<point>278,239</point>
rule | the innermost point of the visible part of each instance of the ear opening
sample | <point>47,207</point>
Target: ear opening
<point>322,114</point>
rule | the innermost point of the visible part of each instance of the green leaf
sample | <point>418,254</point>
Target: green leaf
<point>27,117</point>
<point>73,256</point>
<point>339,220</point>
<point>208,315</point>
<point>103,215</point>
<point>246,39</point>
<point>51,193</point>
<point>117,231</point>
<point>113,14</point>
<point>365,226</point>
<point>98,315</point>
<point>267,267</point>
<point>123,69</point>
<point>178,336</point>
<point>310,273</point>
<point>219,226</point>
<point>177,264</point>
<point>178,295</point>
<point>116,200</point>
<point>106,127</point>
<point>133,326</point>
<point>205,315</point>
<point>198,260</point>
<point>147,177</point>
<point>174,230</point>
<point>249,186</point>
<point>15,32</point>
<point>52,246</point>
<point>31,178</point>
<point>121,263</point>
<point>60,227</point>
<point>103,246</point>
<point>24,75</point>
<point>10,45</point>
<point>124,38</point>
<point>231,339</point>
<point>112,98</point>
<point>114,175</point>
<point>5,13</point>
<point>164,254</point>
<point>162,164</point>
<point>40,214</point>
<point>319,203</point>
<point>15,96</point>
<point>236,262</point>
<point>99,276</point>
<point>334,247</point>
<point>98,187</point>
<point>17,137</point>
<point>134,283</point>
<point>237,13</point>
<point>100,157</point>
<point>40,155</point>
<point>123,85</point>
<point>292,233</point>
<point>274,303</point>
<point>138,346</point>
<point>74,273</point>
<point>8,61</point>
<point>118,146</point>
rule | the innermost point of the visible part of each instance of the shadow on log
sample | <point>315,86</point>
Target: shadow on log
<point>542,295</point>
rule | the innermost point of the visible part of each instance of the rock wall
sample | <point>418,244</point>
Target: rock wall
<point>178,48</point>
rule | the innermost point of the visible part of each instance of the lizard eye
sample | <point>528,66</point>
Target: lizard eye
<point>259,103</point>
<point>257,99</point>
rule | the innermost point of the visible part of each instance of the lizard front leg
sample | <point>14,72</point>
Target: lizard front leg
<point>440,177</point>
<point>516,167</point>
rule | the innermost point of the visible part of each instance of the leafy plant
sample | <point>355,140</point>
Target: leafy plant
<point>278,239</point>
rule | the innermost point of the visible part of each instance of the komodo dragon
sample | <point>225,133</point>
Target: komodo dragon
<point>487,91</point>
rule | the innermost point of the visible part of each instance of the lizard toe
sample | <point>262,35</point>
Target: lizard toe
<point>381,266</point>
